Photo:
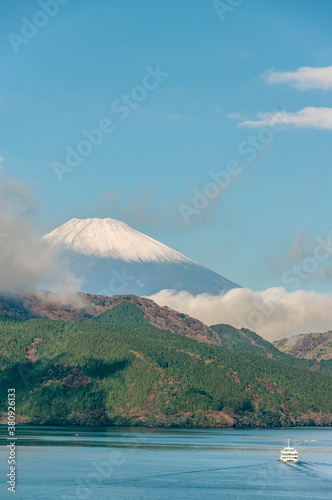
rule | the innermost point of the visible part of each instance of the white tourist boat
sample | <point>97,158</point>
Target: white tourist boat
<point>289,454</point>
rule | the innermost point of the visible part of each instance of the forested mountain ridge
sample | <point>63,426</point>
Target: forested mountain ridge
<point>139,311</point>
<point>315,348</point>
<point>86,307</point>
<point>307,345</point>
<point>248,341</point>
<point>95,373</point>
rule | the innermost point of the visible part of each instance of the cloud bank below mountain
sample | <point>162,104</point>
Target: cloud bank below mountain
<point>273,313</point>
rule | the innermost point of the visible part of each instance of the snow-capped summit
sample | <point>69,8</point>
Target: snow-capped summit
<point>112,258</point>
<point>111,238</point>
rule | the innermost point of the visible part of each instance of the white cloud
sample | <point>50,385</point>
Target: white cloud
<point>273,313</point>
<point>310,117</point>
<point>26,263</point>
<point>1,162</point>
<point>303,78</point>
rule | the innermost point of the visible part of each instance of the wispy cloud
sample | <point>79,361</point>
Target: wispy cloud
<point>303,78</point>
<point>145,208</point>
<point>310,117</point>
<point>175,117</point>
<point>245,54</point>
<point>236,116</point>
<point>26,263</point>
<point>1,162</point>
<point>305,260</point>
<point>298,250</point>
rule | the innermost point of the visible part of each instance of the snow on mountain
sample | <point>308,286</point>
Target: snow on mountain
<point>112,258</point>
<point>111,238</point>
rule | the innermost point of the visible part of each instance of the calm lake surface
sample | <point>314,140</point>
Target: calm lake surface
<point>133,464</point>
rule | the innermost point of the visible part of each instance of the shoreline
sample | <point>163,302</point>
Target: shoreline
<point>206,420</point>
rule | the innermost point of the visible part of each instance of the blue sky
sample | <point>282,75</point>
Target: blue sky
<point>64,78</point>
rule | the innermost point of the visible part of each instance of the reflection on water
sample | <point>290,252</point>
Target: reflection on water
<point>121,463</point>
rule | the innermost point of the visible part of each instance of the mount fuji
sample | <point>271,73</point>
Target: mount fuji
<point>112,258</point>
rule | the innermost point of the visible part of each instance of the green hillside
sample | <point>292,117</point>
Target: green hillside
<point>101,373</point>
<point>326,366</point>
<point>125,313</point>
<point>248,341</point>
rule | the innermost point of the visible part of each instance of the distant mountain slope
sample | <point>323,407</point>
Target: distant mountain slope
<point>89,307</point>
<point>113,258</point>
<point>249,341</point>
<point>314,346</point>
<point>15,307</point>
<point>95,373</point>
<point>141,312</point>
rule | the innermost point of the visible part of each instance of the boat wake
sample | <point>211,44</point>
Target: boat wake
<point>316,469</point>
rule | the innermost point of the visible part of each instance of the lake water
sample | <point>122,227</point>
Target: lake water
<point>159,464</point>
